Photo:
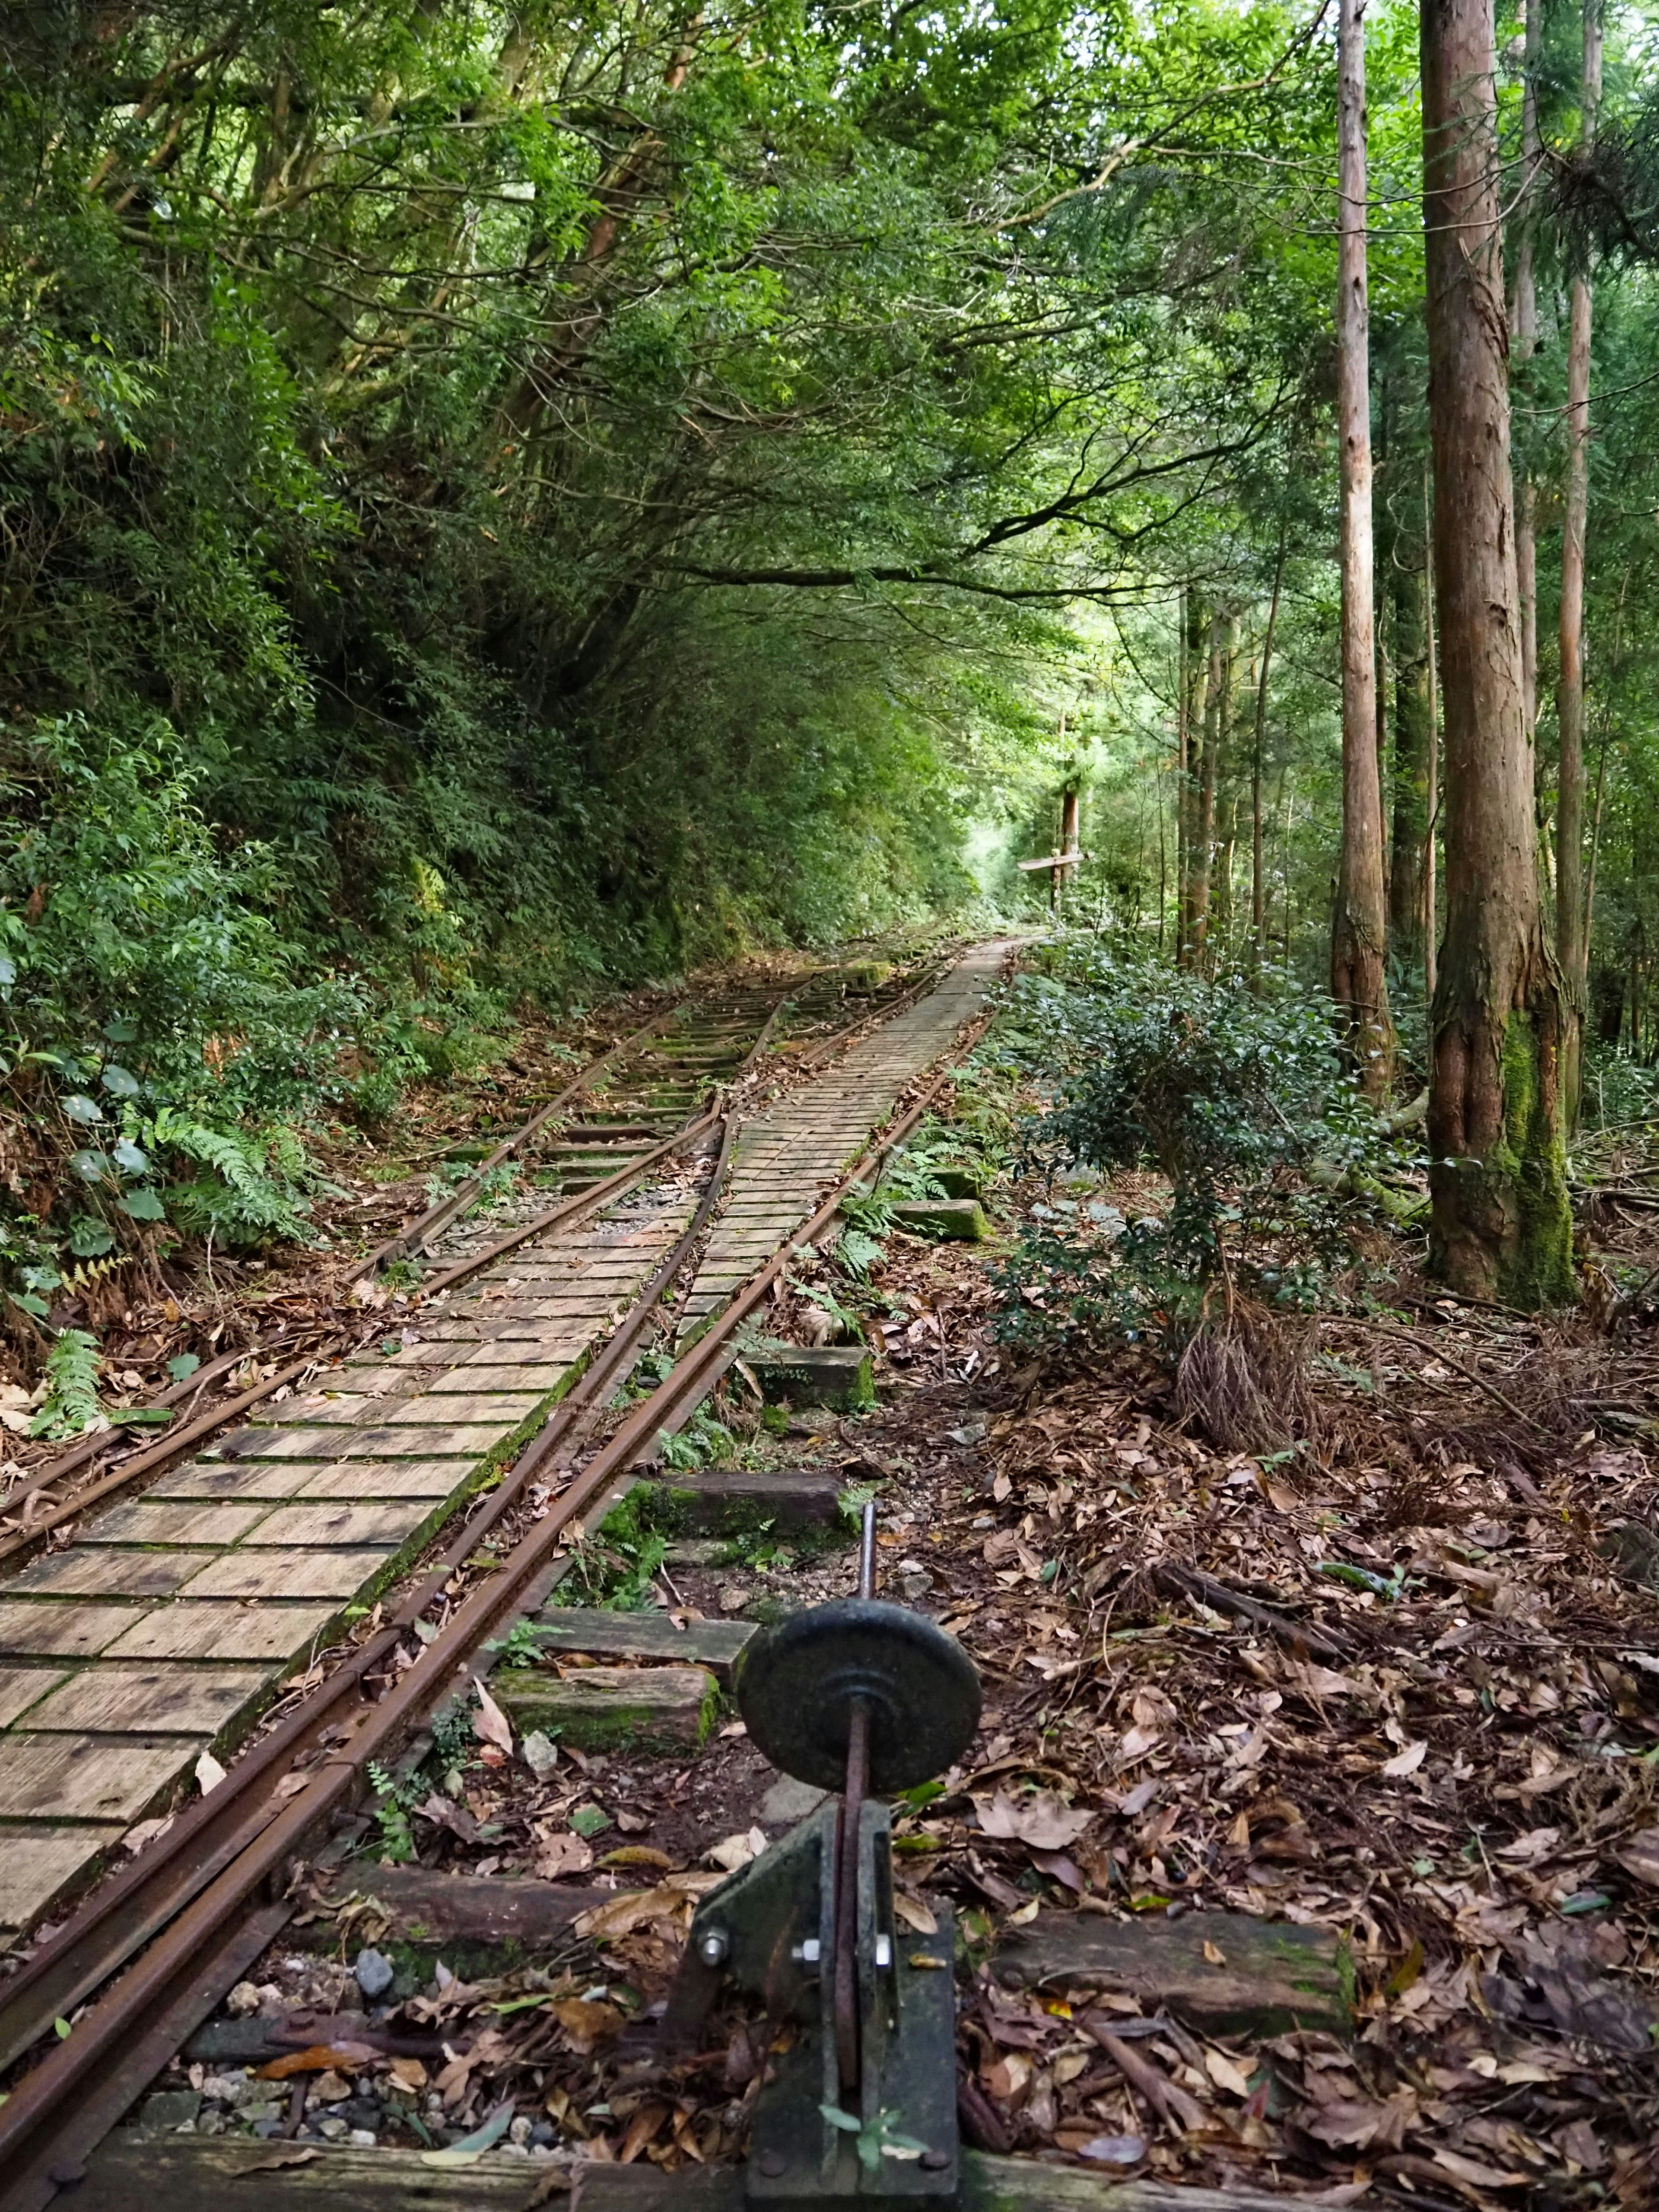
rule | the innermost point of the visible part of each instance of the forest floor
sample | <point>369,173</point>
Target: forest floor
<point>1401,1686</point>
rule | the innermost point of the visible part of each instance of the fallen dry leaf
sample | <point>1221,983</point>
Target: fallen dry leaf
<point>1472,2170</point>
<point>1113,2150</point>
<point>636,1908</point>
<point>586,2021</point>
<point>1359,2122</point>
<point>1640,1856</point>
<point>275,2160</point>
<point>317,2058</point>
<point>1406,1762</point>
<point>1226,2073</point>
<point>561,1855</point>
<point>1043,1821</point>
<point>490,1724</point>
<point>209,1772</point>
<point>916,1917</point>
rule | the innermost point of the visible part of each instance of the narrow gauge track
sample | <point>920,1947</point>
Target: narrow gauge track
<point>618,1117</point>
<point>200,1904</point>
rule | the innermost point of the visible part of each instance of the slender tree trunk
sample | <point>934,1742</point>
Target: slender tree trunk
<point>1184,702</point>
<point>1204,825</point>
<point>1502,1226</point>
<point>1570,944</point>
<point>1258,884</point>
<point>1413,738</point>
<point>1163,866</point>
<point>1195,666</point>
<point>1385,552</point>
<point>1430,882</point>
<point>1615,664</point>
<point>1226,836</point>
<point>1523,326</point>
<point>1358,982</point>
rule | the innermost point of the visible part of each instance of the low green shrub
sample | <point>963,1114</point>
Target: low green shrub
<point>1230,1092</point>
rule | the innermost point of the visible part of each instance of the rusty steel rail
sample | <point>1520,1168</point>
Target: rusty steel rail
<point>127,1910</point>
<point>206,1898</point>
<point>153,1457</point>
<point>446,1210</point>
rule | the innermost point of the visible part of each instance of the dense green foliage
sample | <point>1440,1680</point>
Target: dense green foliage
<point>497,499</point>
<point>1230,1095</point>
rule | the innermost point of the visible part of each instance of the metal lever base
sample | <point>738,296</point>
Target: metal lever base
<point>770,1929</point>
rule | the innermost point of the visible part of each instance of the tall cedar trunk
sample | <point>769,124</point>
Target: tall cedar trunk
<point>1615,664</point>
<point>1204,822</point>
<point>1195,670</point>
<point>1431,836</point>
<point>1358,983</point>
<point>1384,534</point>
<point>1258,881</point>
<point>1183,705</point>
<point>1571,944</point>
<point>1226,834</point>
<point>1413,737</point>
<point>1502,1226</point>
<point>1523,326</point>
<point>1070,837</point>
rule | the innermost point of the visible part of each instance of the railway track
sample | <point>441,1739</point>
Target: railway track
<point>175,1616</point>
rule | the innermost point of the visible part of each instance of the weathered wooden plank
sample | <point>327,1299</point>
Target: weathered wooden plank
<point>428,1907</point>
<point>76,1778</point>
<point>537,1379</point>
<point>23,1687</point>
<point>1025,2185</point>
<point>839,1375</point>
<point>525,1346</point>
<point>39,1863</point>
<point>334,1523</point>
<point>287,1574</point>
<point>711,1644</point>
<point>249,1478</point>
<point>730,1501</point>
<point>203,2174</point>
<point>504,1410</point>
<point>417,1442</point>
<point>388,1479</point>
<point>149,1520</point>
<point>276,1443</point>
<point>89,1570</point>
<point>197,1629</point>
<point>44,1630</point>
<point>155,1700</point>
<point>1271,1978</point>
<point>673,1707</point>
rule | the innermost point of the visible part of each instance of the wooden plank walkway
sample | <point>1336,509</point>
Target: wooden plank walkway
<point>173,1618</point>
<point>785,1161</point>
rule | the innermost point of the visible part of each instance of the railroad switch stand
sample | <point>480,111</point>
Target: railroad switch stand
<point>863,1699</point>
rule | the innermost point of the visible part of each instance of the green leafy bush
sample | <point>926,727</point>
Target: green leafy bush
<point>159,1048</point>
<point>1230,1093</point>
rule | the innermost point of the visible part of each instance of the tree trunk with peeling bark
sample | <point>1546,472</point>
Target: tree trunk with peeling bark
<point>1203,816</point>
<point>1502,1226</point>
<point>1413,740</point>
<point>1572,945</point>
<point>1359,978</point>
<point>1523,328</point>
